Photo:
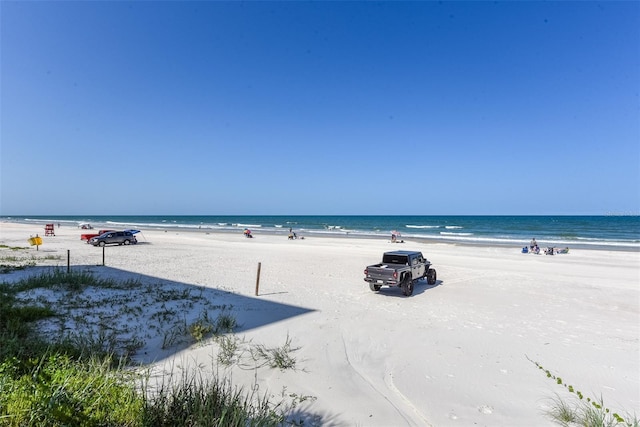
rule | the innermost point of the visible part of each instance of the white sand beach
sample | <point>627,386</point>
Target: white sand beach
<point>453,354</point>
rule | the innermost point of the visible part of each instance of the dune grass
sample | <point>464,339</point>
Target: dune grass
<point>578,410</point>
<point>20,258</point>
<point>87,380</point>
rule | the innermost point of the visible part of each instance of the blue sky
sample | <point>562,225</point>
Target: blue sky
<point>320,108</point>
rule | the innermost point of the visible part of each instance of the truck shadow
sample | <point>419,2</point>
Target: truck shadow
<point>419,288</point>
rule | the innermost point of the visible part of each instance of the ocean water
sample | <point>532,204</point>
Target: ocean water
<point>613,232</point>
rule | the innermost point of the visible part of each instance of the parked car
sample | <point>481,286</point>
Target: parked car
<point>88,236</point>
<point>114,237</point>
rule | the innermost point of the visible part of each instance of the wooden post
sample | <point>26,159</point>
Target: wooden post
<point>258,278</point>
<point>68,260</point>
<point>103,256</point>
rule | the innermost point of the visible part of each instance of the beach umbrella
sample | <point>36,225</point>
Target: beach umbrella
<point>133,231</point>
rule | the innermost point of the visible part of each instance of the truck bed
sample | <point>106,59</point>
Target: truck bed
<point>385,272</point>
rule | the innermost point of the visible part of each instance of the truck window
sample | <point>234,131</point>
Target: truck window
<point>394,259</point>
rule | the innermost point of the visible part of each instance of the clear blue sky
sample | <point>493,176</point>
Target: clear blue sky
<point>320,108</point>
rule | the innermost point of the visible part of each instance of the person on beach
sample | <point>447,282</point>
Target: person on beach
<point>292,234</point>
<point>533,244</point>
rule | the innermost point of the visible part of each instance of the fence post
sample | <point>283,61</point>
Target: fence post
<point>68,261</point>
<point>103,256</point>
<point>258,278</point>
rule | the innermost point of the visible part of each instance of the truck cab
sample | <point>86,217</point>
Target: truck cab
<point>412,259</point>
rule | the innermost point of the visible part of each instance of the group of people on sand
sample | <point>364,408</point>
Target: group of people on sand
<point>292,234</point>
<point>535,249</point>
<point>395,238</point>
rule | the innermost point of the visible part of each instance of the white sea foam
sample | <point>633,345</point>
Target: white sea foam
<point>163,224</point>
<point>422,226</point>
<point>50,221</point>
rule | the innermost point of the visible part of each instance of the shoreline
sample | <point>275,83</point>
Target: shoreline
<point>409,239</point>
<point>480,242</point>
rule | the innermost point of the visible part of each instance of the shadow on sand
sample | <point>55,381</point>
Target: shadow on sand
<point>419,288</point>
<point>152,307</point>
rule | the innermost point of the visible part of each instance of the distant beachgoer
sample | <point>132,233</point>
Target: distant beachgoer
<point>533,243</point>
<point>292,234</point>
<point>393,238</point>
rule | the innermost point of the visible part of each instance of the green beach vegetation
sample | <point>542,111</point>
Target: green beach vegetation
<point>87,377</point>
<point>579,410</point>
<point>19,258</point>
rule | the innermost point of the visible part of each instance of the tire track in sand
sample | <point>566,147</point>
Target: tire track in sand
<point>389,384</point>
<point>388,380</point>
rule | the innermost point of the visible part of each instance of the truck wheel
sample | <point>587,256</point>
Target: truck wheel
<point>431,276</point>
<point>407,285</point>
<point>374,287</point>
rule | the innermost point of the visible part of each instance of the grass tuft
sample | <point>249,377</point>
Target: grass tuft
<point>578,411</point>
<point>277,357</point>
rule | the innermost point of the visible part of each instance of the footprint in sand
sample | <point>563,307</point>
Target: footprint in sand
<point>485,409</point>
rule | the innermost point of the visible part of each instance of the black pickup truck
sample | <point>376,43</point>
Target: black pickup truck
<point>399,268</point>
